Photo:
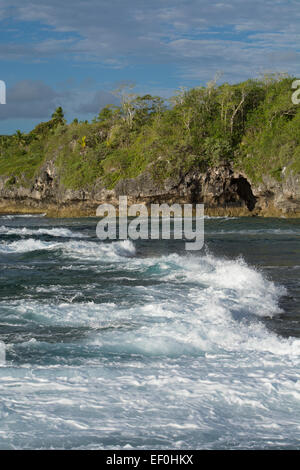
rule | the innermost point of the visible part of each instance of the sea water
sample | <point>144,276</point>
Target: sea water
<point>143,345</point>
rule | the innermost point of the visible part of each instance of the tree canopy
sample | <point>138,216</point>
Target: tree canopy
<point>253,124</point>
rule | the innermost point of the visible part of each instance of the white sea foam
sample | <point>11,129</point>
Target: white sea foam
<point>74,249</point>
<point>54,232</point>
<point>100,251</point>
<point>202,305</point>
<point>187,364</point>
<point>28,245</point>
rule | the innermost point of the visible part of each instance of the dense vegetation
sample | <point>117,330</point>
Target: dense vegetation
<point>253,124</point>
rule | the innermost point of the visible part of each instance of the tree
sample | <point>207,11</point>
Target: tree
<point>19,137</point>
<point>127,100</point>
<point>58,116</point>
<point>145,107</point>
<point>108,112</point>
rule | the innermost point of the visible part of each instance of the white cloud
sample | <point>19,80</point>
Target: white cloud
<point>196,38</point>
<point>127,31</point>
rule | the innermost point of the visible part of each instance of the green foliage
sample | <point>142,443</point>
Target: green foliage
<point>217,150</point>
<point>108,113</point>
<point>83,142</point>
<point>252,124</point>
<point>58,116</point>
<point>271,141</point>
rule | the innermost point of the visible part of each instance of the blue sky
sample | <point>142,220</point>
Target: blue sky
<point>75,53</point>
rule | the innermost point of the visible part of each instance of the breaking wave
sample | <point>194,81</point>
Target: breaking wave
<point>204,304</point>
<point>54,232</point>
<point>74,249</point>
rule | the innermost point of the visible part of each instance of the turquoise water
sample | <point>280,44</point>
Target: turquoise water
<point>144,345</point>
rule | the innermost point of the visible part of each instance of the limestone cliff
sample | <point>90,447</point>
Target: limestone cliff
<point>222,189</point>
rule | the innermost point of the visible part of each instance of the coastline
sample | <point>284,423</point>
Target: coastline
<point>223,190</point>
<point>78,210</point>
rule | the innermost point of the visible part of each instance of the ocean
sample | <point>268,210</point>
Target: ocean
<point>144,345</point>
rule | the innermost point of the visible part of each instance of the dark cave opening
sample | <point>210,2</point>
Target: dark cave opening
<point>244,191</point>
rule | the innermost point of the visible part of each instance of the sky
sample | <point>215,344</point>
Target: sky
<point>75,53</point>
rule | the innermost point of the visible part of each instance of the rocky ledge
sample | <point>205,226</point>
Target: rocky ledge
<point>223,190</point>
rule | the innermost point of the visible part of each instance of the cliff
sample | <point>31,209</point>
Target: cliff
<point>222,189</point>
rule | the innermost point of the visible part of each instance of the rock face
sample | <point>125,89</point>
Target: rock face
<point>222,190</point>
<point>218,188</point>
